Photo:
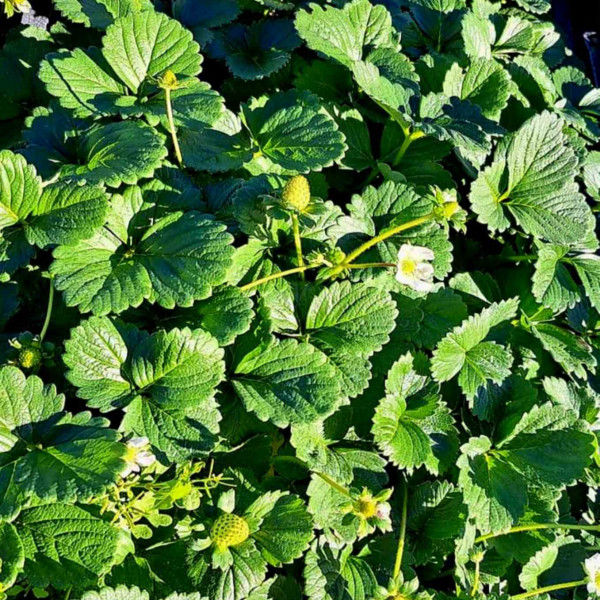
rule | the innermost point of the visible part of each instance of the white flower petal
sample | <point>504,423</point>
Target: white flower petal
<point>405,279</point>
<point>422,286</point>
<point>420,253</point>
<point>138,442</point>
<point>424,271</point>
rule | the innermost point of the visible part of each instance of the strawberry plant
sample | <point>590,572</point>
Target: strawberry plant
<point>298,300</point>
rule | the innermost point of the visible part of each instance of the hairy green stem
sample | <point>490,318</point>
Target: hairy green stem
<point>336,486</point>
<point>408,140</point>
<point>520,257</point>
<point>549,588</point>
<point>379,238</point>
<point>298,242</point>
<point>537,527</point>
<point>369,265</point>
<point>279,275</point>
<point>475,587</point>
<point>48,312</point>
<point>402,534</point>
<point>172,127</point>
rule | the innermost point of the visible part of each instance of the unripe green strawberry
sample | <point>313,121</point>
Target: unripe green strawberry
<point>30,357</point>
<point>296,193</point>
<point>229,530</point>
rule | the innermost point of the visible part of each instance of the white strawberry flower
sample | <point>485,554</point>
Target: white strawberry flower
<point>138,456</point>
<point>414,269</point>
<point>592,568</point>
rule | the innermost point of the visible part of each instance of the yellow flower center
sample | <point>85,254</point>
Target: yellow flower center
<point>367,508</point>
<point>229,530</point>
<point>597,580</point>
<point>408,266</point>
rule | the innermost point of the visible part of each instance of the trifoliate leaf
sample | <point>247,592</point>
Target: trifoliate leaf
<point>99,13</point>
<point>464,350</point>
<point>46,453</point>
<point>257,51</point>
<point>349,323</point>
<point>66,543</point>
<point>543,448</point>
<point>412,426</point>
<point>174,261</point>
<point>294,132</point>
<point>12,555</point>
<point>141,46</point>
<point>288,382</point>
<point>167,381</point>
<point>345,35</point>
<point>535,184</point>
<point>335,574</point>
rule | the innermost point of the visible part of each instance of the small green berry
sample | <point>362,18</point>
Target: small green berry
<point>30,358</point>
<point>296,193</point>
<point>229,530</point>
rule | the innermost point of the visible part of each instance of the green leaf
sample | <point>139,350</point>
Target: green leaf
<point>141,46</point>
<point>553,285</point>
<point>47,454</point>
<point>334,574</point>
<point>568,349</point>
<point>345,35</point>
<point>543,447</point>
<point>412,425</point>
<point>66,543</point>
<point>178,368</point>
<point>485,83</point>
<point>12,555</point>
<point>588,269</point>
<point>122,592</point>
<point>534,183</point>
<point>83,82</point>
<point>349,323</point>
<point>436,514</point>
<point>287,382</point>
<point>294,132</point>
<point>236,580</point>
<point>96,354</point>
<point>174,261</point>
<point>99,13</point>
<point>117,153</point>
<point>463,351</point>
<point>53,214</point>
<point>20,189</point>
<point>166,381</point>
<point>225,315</point>
<point>176,434</point>
<point>285,531</point>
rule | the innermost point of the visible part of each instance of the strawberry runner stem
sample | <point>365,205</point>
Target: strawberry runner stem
<point>549,588</point>
<point>537,527</point>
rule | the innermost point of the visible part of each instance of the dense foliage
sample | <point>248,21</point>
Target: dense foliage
<point>323,296</point>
